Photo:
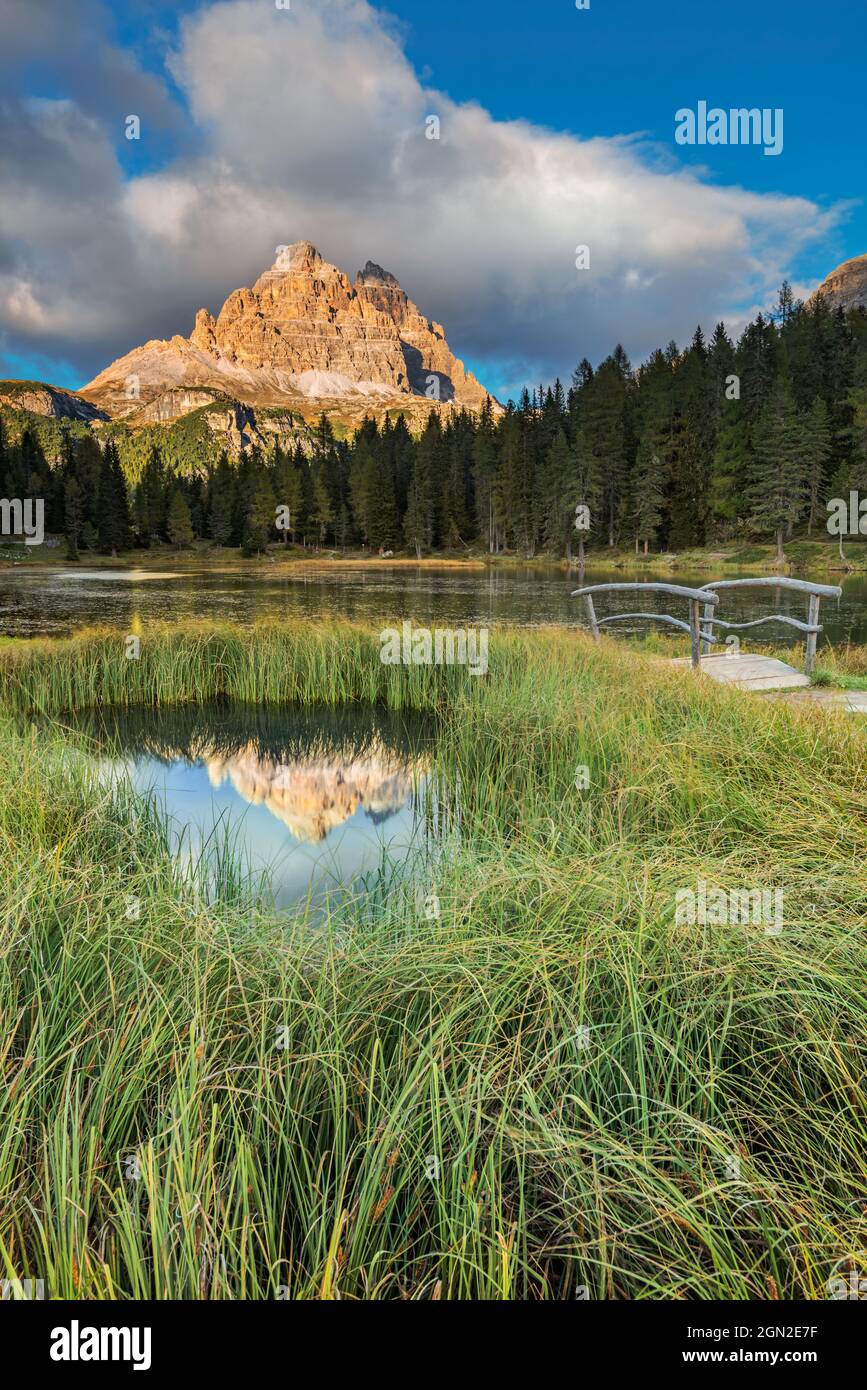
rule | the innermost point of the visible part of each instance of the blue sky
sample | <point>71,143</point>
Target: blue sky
<point>285,155</point>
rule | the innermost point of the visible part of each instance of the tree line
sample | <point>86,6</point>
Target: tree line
<point>719,441</point>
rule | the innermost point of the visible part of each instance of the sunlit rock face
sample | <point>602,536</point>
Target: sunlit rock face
<point>846,287</point>
<point>313,797</point>
<point>303,331</point>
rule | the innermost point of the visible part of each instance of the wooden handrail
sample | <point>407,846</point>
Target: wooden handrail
<point>700,626</point>
<point>654,617</point>
<point>695,596</point>
<point>702,595</point>
<point>812,626</point>
<point>803,586</point>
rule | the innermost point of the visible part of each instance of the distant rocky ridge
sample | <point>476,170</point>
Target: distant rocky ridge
<point>224,423</point>
<point>53,401</point>
<point>846,287</point>
<point>303,336</point>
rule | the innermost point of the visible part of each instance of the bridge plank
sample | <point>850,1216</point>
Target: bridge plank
<point>749,672</point>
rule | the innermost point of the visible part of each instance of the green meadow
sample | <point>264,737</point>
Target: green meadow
<point>550,1088</point>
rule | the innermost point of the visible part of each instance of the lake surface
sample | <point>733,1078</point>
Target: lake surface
<point>317,801</point>
<point>60,601</point>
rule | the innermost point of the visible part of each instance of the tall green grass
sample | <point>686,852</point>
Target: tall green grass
<point>551,1085</point>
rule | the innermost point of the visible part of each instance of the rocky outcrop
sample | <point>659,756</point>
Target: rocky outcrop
<point>304,332</point>
<point>52,401</point>
<point>846,287</point>
<point>425,350</point>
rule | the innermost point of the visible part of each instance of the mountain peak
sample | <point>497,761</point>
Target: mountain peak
<point>303,331</point>
<point>846,287</point>
<point>373,274</point>
<point>297,256</point>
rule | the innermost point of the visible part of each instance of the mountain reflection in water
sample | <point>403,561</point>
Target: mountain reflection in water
<point>314,799</point>
<point>315,795</point>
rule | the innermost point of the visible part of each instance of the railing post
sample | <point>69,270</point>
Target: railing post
<point>591,614</point>
<point>707,615</point>
<point>695,633</point>
<point>810,646</point>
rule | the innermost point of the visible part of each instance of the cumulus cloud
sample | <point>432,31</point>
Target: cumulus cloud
<point>311,123</point>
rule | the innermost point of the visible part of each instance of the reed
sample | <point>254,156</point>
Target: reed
<point>553,1085</point>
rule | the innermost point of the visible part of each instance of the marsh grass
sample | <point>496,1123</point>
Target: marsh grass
<point>549,1085</point>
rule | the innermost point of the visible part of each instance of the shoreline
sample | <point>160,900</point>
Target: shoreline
<point>804,556</point>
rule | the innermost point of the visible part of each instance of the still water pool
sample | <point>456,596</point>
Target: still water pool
<point>311,803</point>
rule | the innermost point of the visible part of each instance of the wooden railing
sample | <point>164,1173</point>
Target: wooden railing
<point>701,610</point>
<point>812,627</point>
<point>697,598</point>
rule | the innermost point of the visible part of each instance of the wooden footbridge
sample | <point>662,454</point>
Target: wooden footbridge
<point>748,672</point>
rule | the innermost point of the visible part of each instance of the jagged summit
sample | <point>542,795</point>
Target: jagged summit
<point>374,274</point>
<point>301,255</point>
<point>302,332</point>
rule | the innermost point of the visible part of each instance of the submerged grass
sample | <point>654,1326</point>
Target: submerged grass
<point>552,1085</point>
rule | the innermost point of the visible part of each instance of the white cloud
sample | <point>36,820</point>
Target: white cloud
<point>310,123</point>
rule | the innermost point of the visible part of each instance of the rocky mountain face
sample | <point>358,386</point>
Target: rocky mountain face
<point>846,287</point>
<point>52,401</point>
<point>304,335</point>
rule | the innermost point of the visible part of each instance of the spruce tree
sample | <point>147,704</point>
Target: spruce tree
<point>113,524</point>
<point>778,494</point>
<point>178,521</point>
<point>73,515</point>
<point>647,494</point>
<point>588,492</point>
<point>418,519</point>
<point>484,470</point>
<point>221,502</point>
<point>817,437</point>
<point>559,495</point>
<point>261,514</point>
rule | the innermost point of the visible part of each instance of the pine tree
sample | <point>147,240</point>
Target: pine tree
<point>113,523</point>
<point>178,521</point>
<point>362,483</point>
<point>418,519</point>
<point>152,496</point>
<point>288,492</point>
<point>73,515</point>
<point>818,448</point>
<point>221,502</point>
<point>382,508</point>
<point>260,517</point>
<point>321,515</point>
<point>778,494</point>
<point>559,496</point>
<point>588,492</point>
<point>647,494</point>
<point>603,418</point>
<point>728,502</point>
<point>484,472</point>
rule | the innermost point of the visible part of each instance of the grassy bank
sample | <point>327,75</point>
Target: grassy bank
<point>551,1085</point>
<point>817,556</point>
